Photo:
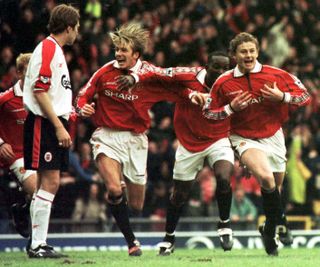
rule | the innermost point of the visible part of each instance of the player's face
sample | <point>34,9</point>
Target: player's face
<point>216,66</point>
<point>125,56</point>
<point>72,34</point>
<point>246,56</point>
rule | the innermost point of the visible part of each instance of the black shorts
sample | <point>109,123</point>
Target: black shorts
<point>41,146</point>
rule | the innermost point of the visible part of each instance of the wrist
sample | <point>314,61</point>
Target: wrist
<point>286,98</point>
<point>229,110</point>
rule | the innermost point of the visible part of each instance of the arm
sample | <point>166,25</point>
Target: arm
<point>151,73</point>
<point>83,108</point>
<point>6,151</point>
<point>46,107</point>
<point>211,109</point>
<point>293,93</point>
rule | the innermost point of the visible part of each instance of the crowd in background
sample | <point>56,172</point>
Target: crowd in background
<point>183,32</point>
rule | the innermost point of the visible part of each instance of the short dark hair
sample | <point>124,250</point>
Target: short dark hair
<point>218,53</point>
<point>61,17</point>
<point>240,38</point>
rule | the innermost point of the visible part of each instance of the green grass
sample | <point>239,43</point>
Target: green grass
<point>181,257</point>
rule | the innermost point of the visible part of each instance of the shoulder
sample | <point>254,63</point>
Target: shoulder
<point>108,67</point>
<point>6,96</point>
<point>49,47</point>
<point>279,72</point>
<point>224,77</point>
<point>272,69</point>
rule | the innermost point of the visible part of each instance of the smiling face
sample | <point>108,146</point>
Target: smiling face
<point>126,57</point>
<point>246,56</point>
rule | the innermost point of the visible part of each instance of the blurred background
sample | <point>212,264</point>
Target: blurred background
<point>183,32</point>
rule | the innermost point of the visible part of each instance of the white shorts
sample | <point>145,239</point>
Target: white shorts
<point>128,148</point>
<point>188,164</point>
<point>19,171</point>
<point>273,146</point>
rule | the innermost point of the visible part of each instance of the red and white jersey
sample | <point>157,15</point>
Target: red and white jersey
<point>12,117</point>
<point>262,118</point>
<point>193,130</point>
<point>122,110</point>
<point>48,72</point>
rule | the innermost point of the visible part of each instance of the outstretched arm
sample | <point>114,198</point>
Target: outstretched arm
<point>240,102</point>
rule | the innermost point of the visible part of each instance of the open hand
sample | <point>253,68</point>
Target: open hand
<point>125,82</point>
<point>272,93</point>
<point>241,101</point>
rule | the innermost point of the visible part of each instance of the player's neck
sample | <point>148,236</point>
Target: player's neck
<point>59,38</point>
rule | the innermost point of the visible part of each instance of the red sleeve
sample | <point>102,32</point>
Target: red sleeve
<point>295,92</point>
<point>181,75</point>
<point>44,80</point>
<point>214,109</point>
<point>87,92</point>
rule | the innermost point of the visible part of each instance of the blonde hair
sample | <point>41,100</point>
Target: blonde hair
<point>22,61</point>
<point>131,34</point>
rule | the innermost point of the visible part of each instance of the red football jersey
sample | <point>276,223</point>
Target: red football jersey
<point>262,118</point>
<point>122,110</point>
<point>193,130</point>
<point>12,117</point>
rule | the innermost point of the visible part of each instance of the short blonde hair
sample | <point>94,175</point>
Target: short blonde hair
<point>22,61</point>
<point>131,34</point>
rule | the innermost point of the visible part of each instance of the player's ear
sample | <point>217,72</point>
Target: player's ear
<point>136,55</point>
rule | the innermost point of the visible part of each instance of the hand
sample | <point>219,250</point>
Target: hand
<point>88,110</point>
<point>241,101</point>
<point>199,99</point>
<point>6,152</point>
<point>272,93</point>
<point>125,82</point>
<point>63,137</point>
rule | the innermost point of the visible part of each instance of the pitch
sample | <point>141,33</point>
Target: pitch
<point>181,258</point>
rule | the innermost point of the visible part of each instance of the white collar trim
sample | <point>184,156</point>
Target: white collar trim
<point>201,76</point>
<point>135,68</point>
<point>257,68</point>
<point>17,89</point>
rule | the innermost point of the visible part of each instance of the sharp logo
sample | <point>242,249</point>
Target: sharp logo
<point>128,97</point>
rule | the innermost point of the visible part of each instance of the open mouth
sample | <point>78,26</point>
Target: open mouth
<point>121,61</point>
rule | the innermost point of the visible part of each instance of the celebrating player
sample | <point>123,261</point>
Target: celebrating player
<point>12,117</point>
<point>256,131</point>
<point>119,143</point>
<point>200,139</point>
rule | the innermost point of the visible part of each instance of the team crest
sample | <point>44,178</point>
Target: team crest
<point>22,170</point>
<point>48,156</point>
<point>97,146</point>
